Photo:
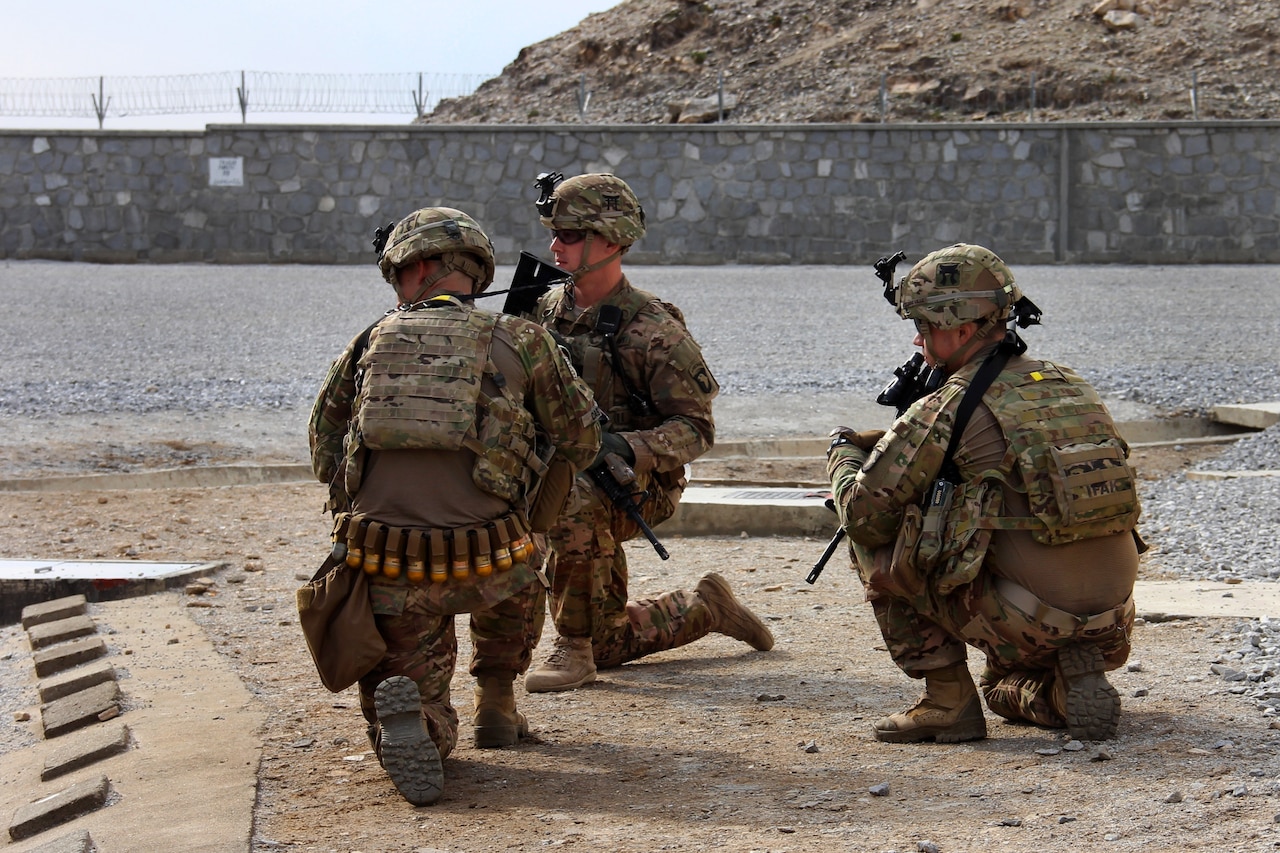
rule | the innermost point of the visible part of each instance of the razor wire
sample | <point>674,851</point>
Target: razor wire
<point>413,93</point>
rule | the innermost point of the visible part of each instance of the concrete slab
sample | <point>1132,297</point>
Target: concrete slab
<point>766,511</point>
<point>74,680</point>
<point>84,708</point>
<point>76,842</point>
<point>1251,415</point>
<point>85,748</point>
<point>54,660</point>
<point>49,633</point>
<point>1160,600</point>
<point>52,611</point>
<point>58,808</point>
<point>1229,475</point>
<point>24,583</point>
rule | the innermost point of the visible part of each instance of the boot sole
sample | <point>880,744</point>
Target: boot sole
<point>409,755</point>
<point>499,734</point>
<point>1092,704</point>
<point>558,687</point>
<point>972,728</point>
<point>950,734</point>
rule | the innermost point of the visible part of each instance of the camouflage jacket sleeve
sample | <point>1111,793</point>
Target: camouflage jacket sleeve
<point>678,383</point>
<point>331,413</point>
<point>871,490</point>
<point>557,397</point>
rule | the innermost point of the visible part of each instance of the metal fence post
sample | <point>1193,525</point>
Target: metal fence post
<point>884,96</point>
<point>100,102</point>
<point>720,110</point>
<point>242,94</point>
<point>1195,97</point>
<point>1033,96</point>
<point>419,98</point>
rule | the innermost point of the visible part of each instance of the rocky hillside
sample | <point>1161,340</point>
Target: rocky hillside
<point>774,61</point>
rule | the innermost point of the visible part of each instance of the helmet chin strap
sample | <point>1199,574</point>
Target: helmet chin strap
<point>449,265</point>
<point>963,354</point>
<point>584,267</point>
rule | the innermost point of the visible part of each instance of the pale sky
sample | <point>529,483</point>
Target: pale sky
<point>91,38</point>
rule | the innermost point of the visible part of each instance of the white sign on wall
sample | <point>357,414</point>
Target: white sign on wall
<point>226,171</point>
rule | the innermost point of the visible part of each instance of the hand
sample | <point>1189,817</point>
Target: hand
<point>863,440</point>
<point>612,442</point>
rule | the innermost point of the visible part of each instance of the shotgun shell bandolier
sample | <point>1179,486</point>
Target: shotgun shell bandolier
<point>440,554</point>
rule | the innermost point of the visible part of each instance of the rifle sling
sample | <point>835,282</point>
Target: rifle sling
<point>978,386</point>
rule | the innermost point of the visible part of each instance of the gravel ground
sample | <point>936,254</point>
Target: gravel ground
<point>82,340</point>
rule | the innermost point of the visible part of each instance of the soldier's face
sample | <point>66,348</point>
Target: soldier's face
<point>567,248</point>
<point>938,344</point>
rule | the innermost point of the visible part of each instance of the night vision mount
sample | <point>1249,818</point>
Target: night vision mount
<point>546,183</point>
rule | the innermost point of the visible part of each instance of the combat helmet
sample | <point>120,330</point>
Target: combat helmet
<point>596,202</point>
<point>436,232</point>
<point>957,285</point>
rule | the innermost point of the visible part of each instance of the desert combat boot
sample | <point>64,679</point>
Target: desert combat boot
<point>950,711</point>
<point>405,747</point>
<point>569,666</point>
<point>1082,694</point>
<point>497,722</point>
<point>729,616</point>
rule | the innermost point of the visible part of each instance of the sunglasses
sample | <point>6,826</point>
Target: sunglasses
<point>569,237</point>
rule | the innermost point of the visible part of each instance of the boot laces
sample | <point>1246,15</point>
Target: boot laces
<point>559,657</point>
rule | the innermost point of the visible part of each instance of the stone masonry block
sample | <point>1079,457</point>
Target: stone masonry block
<point>80,709</point>
<point>74,680</point>
<point>84,749</point>
<point>55,810</point>
<point>52,611</point>
<point>60,631</point>
<point>67,655</point>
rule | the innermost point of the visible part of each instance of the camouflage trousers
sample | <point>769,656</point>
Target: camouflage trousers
<point>588,571</point>
<point>927,631</point>
<point>417,622</point>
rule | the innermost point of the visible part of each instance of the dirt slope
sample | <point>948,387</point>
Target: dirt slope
<point>939,60</point>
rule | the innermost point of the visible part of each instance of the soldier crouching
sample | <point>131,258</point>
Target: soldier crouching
<point>998,512</point>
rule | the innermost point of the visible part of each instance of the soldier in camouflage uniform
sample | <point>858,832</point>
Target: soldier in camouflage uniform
<point>1024,546</point>
<point>448,434</point>
<point>648,376</point>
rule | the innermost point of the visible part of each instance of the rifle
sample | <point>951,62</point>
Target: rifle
<point>911,382</point>
<point>830,504</point>
<point>533,277</point>
<point>615,477</point>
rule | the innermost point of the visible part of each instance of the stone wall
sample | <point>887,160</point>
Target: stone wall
<point>830,194</point>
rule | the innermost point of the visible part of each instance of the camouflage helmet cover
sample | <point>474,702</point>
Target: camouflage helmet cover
<point>439,232</point>
<point>957,285</point>
<point>597,202</point>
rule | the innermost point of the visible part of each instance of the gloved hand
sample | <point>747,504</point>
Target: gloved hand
<point>612,442</point>
<point>863,440</point>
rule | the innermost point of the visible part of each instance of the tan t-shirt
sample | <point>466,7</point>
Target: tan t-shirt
<point>1084,577</point>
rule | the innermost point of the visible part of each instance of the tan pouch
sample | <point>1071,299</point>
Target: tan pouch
<point>338,624</point>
